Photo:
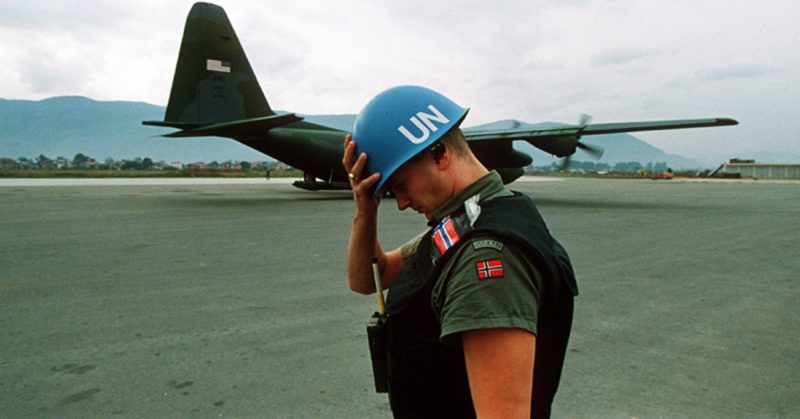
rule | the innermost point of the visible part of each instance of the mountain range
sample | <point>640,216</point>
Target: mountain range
<point>68,125</point>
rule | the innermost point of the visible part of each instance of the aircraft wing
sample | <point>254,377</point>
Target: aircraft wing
<point>572,131</point>
<point>564,140</point>
<point>611,128</point>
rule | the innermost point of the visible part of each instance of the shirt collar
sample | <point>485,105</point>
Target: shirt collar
<point>486,187</point>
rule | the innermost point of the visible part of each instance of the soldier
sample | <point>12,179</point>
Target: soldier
<point>480,305</point>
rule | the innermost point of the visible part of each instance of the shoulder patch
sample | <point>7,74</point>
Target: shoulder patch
<point>492,268</point>
<point>487,243</point>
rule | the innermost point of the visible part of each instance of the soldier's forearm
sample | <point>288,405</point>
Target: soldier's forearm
<point>362,247</point>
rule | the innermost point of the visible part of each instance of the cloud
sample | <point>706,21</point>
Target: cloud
<point>737,71</point>
<point>527,59</point>
<point>68,14</point>
<point>622,56</point>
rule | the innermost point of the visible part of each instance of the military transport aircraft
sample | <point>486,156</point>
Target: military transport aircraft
<point>215,93</point>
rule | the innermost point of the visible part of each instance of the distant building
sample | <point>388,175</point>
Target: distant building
<point>751,169</point>
<point>197,165</point>
<point>63,163</point>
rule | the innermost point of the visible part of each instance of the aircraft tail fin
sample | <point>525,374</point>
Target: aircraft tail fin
<point>213,81</point>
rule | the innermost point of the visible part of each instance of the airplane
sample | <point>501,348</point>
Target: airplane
<point>215,93</point>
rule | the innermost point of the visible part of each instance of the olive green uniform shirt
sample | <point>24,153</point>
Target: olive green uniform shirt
<point>461,299</point>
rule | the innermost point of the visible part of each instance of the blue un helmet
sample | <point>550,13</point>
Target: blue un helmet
<point>400,123</point>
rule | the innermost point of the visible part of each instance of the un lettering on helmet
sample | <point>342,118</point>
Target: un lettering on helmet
<point>425,130</point>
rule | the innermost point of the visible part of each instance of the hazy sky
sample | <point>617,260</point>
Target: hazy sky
<point>530,60</point>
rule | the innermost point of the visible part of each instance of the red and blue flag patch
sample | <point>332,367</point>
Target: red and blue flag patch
<point>445,235</point>
<point>491,268</point>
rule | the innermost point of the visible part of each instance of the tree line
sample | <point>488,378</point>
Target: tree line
<point>83,162</point>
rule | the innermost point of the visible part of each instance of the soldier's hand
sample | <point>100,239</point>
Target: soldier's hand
<point>361,186</point>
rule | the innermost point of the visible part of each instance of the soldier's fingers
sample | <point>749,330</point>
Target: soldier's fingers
<point>361,189</point>
<point>370,180</point>
<point>358,167</point>
<point>349,153</point>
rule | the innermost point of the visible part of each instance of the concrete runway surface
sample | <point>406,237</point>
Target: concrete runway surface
<point>230,300</point>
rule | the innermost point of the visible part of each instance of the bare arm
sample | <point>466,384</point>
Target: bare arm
<point>364,243</point>
<point>500,370</point>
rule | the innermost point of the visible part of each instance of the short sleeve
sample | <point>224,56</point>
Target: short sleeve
<point>488,284</point>
<point>409,249</point>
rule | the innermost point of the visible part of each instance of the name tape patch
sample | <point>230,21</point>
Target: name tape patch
<point>487,243</point>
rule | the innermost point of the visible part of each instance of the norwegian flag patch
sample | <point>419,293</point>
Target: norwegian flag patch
<point>492,268</point>
<point>445,235</point>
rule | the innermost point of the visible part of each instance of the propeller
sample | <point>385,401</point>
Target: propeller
<point>595,151</point>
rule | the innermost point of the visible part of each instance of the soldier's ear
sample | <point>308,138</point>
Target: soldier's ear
<point>444,160</point>
<point>438,151</point>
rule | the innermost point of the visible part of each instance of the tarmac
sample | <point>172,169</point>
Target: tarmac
<point>229,300</point>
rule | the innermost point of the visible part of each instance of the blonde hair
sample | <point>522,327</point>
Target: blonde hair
<point>455,142</point>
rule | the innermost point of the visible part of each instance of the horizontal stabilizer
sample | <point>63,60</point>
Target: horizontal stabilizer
<point>172,124</point>
<point>234,129</point>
